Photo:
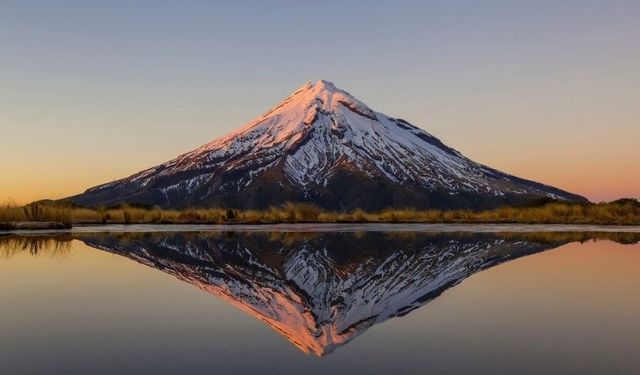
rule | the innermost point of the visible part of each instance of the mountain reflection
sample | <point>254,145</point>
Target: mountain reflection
<point>320,290</point>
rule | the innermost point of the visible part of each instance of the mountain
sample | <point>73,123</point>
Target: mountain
<point>323,146</point>
<point>321,290</point>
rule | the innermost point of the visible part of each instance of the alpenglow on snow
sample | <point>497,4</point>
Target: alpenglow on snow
<point>322,146</point>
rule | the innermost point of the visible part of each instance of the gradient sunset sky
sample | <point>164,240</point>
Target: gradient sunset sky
<point>95,91</point>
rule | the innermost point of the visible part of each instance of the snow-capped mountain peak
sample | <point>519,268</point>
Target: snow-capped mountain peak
<point>322,145</point>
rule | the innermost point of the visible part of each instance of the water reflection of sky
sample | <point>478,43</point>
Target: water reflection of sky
<point>570,309</point>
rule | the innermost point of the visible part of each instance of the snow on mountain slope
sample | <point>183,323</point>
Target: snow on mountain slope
<point>312,147</point>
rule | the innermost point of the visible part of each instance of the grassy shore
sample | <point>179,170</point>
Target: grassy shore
<point>620,212</point>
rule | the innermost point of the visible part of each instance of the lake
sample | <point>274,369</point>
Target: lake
<point>317,299</point>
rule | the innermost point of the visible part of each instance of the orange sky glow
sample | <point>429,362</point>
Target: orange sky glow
<point>549,93</point>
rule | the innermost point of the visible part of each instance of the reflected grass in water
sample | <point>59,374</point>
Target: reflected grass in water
<point>54,246</point>
<point>58,244</point>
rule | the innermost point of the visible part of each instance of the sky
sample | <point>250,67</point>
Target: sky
<point>95,91</point>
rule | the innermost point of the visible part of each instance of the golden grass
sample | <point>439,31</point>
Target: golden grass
<point>621,212</point>
<point>36,212</point>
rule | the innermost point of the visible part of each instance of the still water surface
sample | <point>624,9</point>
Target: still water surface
<point>320,302</point>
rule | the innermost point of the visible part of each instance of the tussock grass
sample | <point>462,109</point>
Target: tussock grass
<point>39,212</point>
<point>620,212</point>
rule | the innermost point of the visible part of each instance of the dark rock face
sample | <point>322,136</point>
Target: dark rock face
<point>323,146</point>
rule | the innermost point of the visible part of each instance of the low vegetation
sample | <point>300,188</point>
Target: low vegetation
<point>620,212</point>
<point>59,215</point>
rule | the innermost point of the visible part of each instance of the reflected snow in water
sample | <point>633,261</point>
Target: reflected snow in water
<point>317,301</point>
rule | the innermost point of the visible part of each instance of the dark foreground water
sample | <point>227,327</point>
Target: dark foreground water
<point>317,301</point>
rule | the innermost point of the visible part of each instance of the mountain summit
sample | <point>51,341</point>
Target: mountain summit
<point>323,146</point>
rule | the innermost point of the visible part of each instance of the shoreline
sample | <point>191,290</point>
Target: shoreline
<point>32,225</point>
<point>330,227</point>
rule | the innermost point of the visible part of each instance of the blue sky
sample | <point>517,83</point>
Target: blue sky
<point>544,89</point>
